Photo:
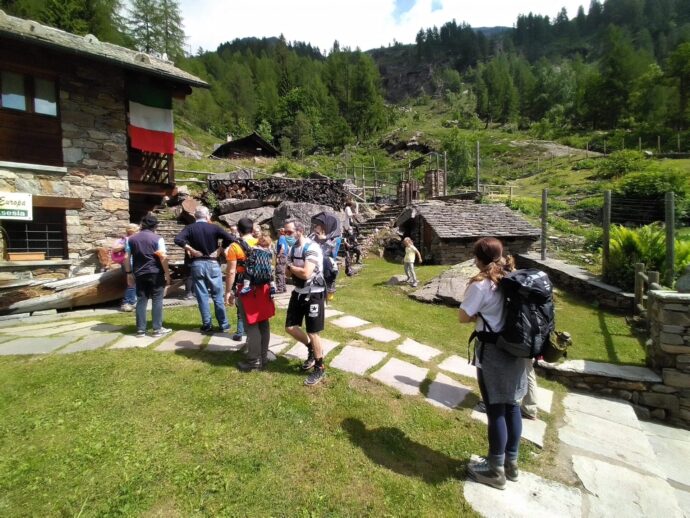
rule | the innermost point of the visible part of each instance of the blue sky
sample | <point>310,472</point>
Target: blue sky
<point>355,23</point>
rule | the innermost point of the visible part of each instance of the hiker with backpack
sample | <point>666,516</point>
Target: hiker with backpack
<point>501,376</point>
<point>513,316</point>
<point>307,299</point>
<point>255,307</point>
<point>327,234</point>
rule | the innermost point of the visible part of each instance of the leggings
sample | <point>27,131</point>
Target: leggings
<point>505,426</point>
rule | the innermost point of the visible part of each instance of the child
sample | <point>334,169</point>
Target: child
<point>410,253</point>
<point>260,266</point>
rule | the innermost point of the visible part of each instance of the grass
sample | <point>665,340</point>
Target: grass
<point>137,432</point>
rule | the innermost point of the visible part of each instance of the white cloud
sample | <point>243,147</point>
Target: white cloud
<point>355,23</point>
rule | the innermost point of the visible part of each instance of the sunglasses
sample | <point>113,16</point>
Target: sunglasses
<point>288,232</point>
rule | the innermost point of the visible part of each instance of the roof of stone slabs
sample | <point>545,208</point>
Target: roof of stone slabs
<point>89,46</point>
<point>466,219</point>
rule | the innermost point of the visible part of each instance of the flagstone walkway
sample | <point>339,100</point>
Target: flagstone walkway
<point>624,467</point>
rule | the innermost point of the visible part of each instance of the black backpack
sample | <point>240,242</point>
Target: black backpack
<point>529,314</point>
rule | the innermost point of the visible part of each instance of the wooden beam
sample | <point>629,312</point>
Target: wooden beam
<point>55,202</point>
<point>151,188</point>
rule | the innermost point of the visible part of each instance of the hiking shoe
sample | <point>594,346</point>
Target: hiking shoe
<point>309,362</point>
<point>481,407</point>
<point>315,376</point>
<point>157,333</point>
<point>249,366</point>
<point>237,337</point>
<point>484,473</point>
<point>127,308</point>
<point>511,469</point>
<point>141,333</point>
<point>206,328</point>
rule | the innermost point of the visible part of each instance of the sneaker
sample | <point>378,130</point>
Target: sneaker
<point>511,469</point>
<point>157,333</point>
<point>272,292</point>
<point>141,333</point>
<point>190,296</point>
<point>309,362</point>
<point>245,290</point>
<point>206,328</point>
<point>237,337</point>
<point>483,473</point>
<point>315,376</point>
<point>224,329</point>
<point>127,308</point>
<point>249,366</point>
<point>481,407</point>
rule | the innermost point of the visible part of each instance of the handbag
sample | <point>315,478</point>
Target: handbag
<point>258,304</point>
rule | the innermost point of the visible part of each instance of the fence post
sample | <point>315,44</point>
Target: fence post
<point>639,286</point>
<point>678,139</point>
<point>544,214</point>
<point>587,150</point>
<point>652,278</point>
<point>477,180</point>
<point>639,144</point>
<point>606,234</point>
<point>658,143</point>
<point>445,173</point>
<point>510,193</point>
<point>670,238</point>
<point>604,146</point>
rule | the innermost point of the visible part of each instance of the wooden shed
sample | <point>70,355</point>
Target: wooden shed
<point>246,147</point>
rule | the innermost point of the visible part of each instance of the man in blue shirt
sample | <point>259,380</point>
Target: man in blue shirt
<point>201,241</point>
<point>148,269</point>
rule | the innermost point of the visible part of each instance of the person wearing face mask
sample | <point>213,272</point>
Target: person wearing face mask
<point>282,248</point>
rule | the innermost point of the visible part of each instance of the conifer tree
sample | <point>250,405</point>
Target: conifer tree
<point>145,26</point>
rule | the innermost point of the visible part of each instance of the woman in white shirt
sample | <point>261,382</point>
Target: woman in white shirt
<point>501,376</point>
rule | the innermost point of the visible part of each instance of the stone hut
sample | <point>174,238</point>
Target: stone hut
<point>86,130</point>
<point>253,145</point>
<point>444,232</point>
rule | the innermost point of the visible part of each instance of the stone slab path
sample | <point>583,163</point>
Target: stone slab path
<point>357,360</point>
<point>421,351</point>
<point>380,334</point>
<point>625,467</point>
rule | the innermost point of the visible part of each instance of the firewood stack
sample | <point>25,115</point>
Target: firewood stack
<point>276,190</point>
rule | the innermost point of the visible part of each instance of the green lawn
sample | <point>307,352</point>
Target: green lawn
<point>137,432</point>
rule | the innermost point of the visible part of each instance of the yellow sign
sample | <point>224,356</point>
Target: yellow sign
<point>16,205</point>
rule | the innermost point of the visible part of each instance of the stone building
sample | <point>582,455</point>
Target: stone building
<point>68,137</point>
<point>444,232</point>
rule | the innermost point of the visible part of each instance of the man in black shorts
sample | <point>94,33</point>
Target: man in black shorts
<point>307,300</point>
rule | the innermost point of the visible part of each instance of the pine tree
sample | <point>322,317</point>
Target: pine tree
<point>144,25</point>
<point>172,31</point>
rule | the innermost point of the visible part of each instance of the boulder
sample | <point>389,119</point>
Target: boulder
<point>397,280</point>
<point>449,287</point>
<point>303,212</point>
<point>234,205</point>
<point>259,215</point>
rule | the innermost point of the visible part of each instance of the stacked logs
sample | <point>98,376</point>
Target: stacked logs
<point>276,190</point>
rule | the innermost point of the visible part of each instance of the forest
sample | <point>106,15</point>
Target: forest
<point>620,65</point>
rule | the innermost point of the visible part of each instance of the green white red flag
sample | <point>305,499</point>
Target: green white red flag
<point>151,119</point>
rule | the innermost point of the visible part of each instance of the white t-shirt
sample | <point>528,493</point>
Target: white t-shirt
<point>485,298</point>
<point>298,257</point>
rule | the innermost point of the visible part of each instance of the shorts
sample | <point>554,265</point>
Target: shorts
<point>309,307</point>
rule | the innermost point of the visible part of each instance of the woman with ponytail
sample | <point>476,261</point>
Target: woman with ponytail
<point>502,377</point>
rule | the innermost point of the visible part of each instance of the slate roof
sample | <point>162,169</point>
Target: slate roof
<point>252,145</point>
<point>466,219</point>
<point>89,46</point>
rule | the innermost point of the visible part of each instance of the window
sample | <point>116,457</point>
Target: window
<point>13,91</point>
<point>28,94</point>
<point>46,233</point>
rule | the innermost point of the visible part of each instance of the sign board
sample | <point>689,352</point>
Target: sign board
<point>16,205</point>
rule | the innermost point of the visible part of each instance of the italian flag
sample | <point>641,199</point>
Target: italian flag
<point>151,119</point>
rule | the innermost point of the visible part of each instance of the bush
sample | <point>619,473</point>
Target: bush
<point>652,185</point>
<point>645,245</point>
<point>620,163</point>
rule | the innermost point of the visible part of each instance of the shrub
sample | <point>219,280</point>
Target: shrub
<point>645,245</point>
<point>652,184</point>
<point>620,163</point>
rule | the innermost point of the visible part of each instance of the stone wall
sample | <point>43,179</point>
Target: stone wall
<point>669,350</point>
<point>574,279</point>
<point>93,114</point>
<point>458,250</point>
